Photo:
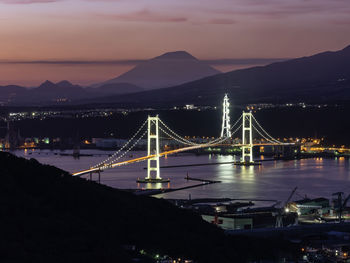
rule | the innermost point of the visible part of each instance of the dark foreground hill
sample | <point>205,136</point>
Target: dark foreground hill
<point>46,215</point>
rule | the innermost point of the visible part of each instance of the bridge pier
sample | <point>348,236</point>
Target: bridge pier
<point>286,152</point>
<point>153,171</point>
<point>99,176</point>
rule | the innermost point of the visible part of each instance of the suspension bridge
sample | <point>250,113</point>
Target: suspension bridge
<point>154,127</point>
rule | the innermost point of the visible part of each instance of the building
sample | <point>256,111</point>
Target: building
<point>229,223</point>
<point>309,206</point>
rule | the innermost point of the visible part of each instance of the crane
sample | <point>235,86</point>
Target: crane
<point>284,209</point>
<point>289,198</point>
<point>341,203</point>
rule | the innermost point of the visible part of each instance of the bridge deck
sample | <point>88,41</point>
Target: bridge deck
<point>166,153</point>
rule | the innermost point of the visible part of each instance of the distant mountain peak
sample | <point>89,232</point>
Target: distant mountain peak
<point>166,70</point>
<point>176,55</point>
<point>64,84</point>
<point>321,78</point>
<point>47,84</point>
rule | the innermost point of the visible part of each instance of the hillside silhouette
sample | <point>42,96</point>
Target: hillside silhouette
<point>47,215</point>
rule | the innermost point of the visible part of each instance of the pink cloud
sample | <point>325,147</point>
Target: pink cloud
<point>278,9</point>
<point>25,2</point>
<point>143,16</point>
<point>222,21</point>
<point>340,21</point>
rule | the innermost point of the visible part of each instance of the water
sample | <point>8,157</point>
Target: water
<point>318,177</point>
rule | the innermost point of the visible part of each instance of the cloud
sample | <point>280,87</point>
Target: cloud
<point>279,8</point>
<point>26,2</point>
<point>143,16</point>
<point>229,61</point>
<point>102,1</point>
<point>222,21</point>
<point>75,62</point>
<point>341,21</point>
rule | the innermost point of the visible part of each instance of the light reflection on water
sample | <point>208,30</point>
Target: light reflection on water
<point>271,180</point>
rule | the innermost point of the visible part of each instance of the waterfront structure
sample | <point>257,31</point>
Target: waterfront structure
<point>230,222</point>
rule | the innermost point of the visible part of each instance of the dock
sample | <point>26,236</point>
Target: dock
<point>201,180</point>
<point>152,192</point>
<point>163,191</point>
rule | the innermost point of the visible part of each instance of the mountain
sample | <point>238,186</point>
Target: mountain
<point>115,88</point>
<point>47,92</point>
<point>60,92</point>
<point>167,70</point>
<point>62,86</point>
<point>65,84</point>
<point>322,77</point>
<point>10,92</point>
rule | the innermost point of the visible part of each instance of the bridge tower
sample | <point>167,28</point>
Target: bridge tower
<point>247,137</point>
<point>226,126</point>
<point>153,148</point>
<point>153,172</point>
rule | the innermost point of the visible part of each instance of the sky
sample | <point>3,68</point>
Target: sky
<point>113,35</point>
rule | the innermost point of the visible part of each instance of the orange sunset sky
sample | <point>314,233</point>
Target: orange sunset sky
<point>112,35</point>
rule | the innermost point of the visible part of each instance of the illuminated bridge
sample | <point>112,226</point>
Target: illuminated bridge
<point>155,128</point>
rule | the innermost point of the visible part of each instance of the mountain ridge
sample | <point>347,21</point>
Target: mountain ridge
<point>168,69</point>
<point>320,77</point>
<point>63,91</point>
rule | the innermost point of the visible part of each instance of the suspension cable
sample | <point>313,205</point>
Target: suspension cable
<point>266,133</point>
<point>114,157</point>
<point>221,139</point>
<point>122,148</point>
<point>236,122</point>
<point>236,129</point>
<point>178,140</point>
<point>177,135</point>
<point>107,165</point>
<point>185,141</point>
<point>267,139</point>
